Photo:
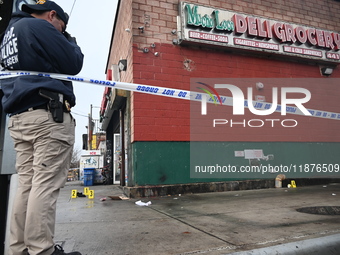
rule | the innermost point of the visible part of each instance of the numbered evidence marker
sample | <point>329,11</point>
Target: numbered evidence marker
<point>74,193</point>
<point>293,184</point>
<point>86,190</point>
<point>90,195</point>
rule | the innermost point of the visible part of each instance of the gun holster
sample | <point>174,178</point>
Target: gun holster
<point>55,104</point>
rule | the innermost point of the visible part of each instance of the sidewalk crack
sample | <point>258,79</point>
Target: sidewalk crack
<point>194,227</point>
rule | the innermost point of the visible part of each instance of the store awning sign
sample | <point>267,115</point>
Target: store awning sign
<point>208,25</point>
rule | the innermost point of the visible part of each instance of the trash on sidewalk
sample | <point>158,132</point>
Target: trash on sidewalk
<point>80,194</point>
<point>118,197</point>
<point>140,203</point>
<point>278,180</point>
<point>114,198</point>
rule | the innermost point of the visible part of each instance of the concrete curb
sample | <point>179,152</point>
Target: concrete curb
<point>327,245</point>
<point>175,189</point>
<point>165,190</point>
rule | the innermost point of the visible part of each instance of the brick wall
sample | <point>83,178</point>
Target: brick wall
<point>164,119</point>
<point>121,46</point>
<point>156,118</point>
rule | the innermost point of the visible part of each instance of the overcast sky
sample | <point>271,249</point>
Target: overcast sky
<point>91,22</point>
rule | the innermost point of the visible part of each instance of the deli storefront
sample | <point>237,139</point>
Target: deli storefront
<point>194,46</point>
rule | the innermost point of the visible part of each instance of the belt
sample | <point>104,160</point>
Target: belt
<point>43,106</point>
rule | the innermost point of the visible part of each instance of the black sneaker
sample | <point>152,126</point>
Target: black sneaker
<point>58,250</point>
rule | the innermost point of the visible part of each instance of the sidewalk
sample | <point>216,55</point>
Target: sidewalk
<point>209,223</point>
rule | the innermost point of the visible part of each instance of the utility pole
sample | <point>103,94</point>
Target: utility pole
<point>90,129</point>
<point>91,126</point>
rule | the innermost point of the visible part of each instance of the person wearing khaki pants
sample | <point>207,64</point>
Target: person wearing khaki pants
<point>40,122</point>
<point>44,150</point>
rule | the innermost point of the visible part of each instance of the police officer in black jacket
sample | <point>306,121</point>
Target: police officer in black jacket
<point>36,40</point>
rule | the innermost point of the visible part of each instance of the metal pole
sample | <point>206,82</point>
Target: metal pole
<point>90,130</point>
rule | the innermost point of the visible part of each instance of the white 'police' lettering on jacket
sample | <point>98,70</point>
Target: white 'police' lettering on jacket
<point>9,49</point>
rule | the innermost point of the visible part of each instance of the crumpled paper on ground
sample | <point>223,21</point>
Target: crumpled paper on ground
<point>140,203</point>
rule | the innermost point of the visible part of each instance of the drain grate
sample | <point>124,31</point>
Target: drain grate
<point>321,210</point>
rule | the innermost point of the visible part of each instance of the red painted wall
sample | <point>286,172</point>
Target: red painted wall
<point>156,118</point>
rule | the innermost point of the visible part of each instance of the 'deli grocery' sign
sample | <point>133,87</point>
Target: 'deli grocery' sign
<point>226,28</point>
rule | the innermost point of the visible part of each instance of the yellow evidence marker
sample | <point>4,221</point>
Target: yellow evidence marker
<point>74,193</point>
<point>293,184</point>
<point>86,190</point>
<point>90,195</point>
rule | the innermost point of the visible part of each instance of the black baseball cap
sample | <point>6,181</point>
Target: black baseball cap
<point>44,5</point>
